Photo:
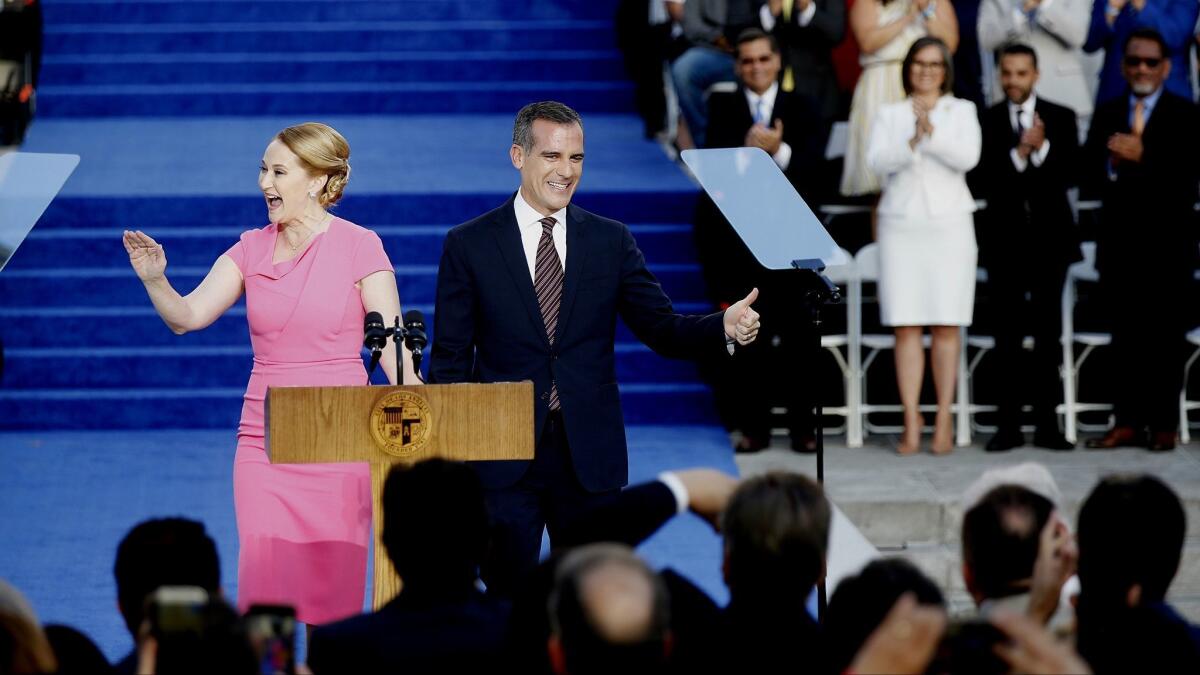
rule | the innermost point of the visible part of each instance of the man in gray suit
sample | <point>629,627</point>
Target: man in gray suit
<point>1056,30</point>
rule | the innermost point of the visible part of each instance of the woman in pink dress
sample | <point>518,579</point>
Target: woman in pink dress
<point>309,278</point>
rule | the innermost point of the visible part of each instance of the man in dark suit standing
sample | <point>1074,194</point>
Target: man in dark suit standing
<point>787,126</point>
<point>1141,159</point>
<point>509,309</point>
<point>1030,149</point>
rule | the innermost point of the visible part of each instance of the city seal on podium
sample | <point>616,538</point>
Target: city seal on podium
<point>401,423</point>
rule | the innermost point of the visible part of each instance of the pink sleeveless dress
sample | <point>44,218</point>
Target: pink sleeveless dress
<point>303,530</point>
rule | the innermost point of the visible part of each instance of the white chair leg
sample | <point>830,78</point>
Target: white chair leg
<point>963,419</point>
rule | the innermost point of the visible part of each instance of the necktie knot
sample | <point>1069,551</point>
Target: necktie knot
<point>548,224</point>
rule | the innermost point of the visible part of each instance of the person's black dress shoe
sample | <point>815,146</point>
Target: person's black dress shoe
<point>804,444</point>
<point>1117,437</point>
<point>1161,441</point>
<point>1005,439</point>
<point>751,444</point>
<point>1052,440</point>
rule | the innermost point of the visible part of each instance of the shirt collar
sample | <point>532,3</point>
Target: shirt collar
<point>528,217</point>
<point>1150,100</point>
<point>767,97</point>
<point>1027,107</point>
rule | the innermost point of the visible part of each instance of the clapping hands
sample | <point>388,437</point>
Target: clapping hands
<point>767,138</point>
<point>1032,138</point>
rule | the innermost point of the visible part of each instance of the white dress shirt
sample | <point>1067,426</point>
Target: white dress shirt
<point>1024,113</point>
<point>530,222</point>
<point>761,109</point>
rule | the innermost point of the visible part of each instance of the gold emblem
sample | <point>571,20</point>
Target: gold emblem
<point>401,423</point>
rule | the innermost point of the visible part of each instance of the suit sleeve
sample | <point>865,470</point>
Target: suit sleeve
<point>1062,161</point>
<point>648,312</point>
<point>630,518</point>
<point>1099,32</point>
<point>722,131</point>
<point>957,146</point>
<point>996,26</point>
<point>828,25</point>
<point>887,146</point>
<point>1067,20</point>
<point>1175,19</point>
<point>1093,159</point>
<point>453,355</point>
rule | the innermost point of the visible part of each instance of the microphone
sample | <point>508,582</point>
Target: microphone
<point>374,337</point>
<point>414,331</point>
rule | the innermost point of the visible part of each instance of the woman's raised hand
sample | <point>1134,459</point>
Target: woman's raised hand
<point>146,256</point>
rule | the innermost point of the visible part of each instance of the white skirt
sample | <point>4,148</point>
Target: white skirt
<point>927,270</point>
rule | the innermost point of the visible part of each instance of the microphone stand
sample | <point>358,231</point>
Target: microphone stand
<point>397,332</point>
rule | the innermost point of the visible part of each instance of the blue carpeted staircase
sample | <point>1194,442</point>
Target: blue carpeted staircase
<point>169,103</point>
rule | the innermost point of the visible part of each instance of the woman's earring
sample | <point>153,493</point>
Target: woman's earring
<point>312,195</point>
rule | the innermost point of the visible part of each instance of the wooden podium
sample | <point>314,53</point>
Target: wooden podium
<point>384,426</point>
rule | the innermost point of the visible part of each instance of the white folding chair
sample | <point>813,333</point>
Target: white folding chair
<point>867,262</point>
<point>1084,270</point>
<point>1186,404</point>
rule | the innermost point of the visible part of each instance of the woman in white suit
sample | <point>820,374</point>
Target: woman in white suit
<point>921,149</point>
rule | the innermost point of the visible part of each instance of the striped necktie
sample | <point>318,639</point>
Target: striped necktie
<point>548,284</point>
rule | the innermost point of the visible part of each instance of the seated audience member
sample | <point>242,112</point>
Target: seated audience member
<point>163,552</point>
<point>1140,160</point>
<point>1002,536</point>
<point>706,62</point>
<point>608,614</point>
<point>862,602</point>
<point>1029,161</point>
<point>75,652</point>
<point>1131,533</point>
<point>1114,21</point>
<point>435,530</point>
<point>786,126</point>
<point>23,646</point>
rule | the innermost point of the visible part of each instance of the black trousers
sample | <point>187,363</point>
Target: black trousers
<point>548,497</point>
<point>1040,316</point>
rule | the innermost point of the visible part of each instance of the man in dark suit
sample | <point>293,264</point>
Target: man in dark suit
<point>508,309</point>
<point>435,531</point>
<point>787,126</point>
<point>1141,160</point>
<point>1030,146</point>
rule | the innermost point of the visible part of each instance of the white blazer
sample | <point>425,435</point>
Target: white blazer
<point>930,178</point>
<point>1057,34</point>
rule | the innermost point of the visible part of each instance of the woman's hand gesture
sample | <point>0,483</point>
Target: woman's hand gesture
<point>146,256</point>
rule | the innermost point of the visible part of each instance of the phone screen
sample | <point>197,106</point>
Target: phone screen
<point>272,632</point>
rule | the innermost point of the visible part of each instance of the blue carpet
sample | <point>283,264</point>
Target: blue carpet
<point>67,498</point>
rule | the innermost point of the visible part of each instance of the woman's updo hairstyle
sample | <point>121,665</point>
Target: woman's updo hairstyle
<point>322,152</point>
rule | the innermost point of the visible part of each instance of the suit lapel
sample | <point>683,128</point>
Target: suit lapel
<point>743,104</point>
<point>508,240</point>
<point>577,257</point>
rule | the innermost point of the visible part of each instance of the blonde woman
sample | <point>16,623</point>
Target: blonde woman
<point>309,279</point>
<point>884,30</point>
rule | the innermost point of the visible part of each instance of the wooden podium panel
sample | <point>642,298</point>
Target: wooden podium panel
<point>384,426</point>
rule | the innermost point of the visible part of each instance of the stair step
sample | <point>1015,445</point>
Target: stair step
<point>226,366</point>
<point>61,70</point>
<point>118,286</point>
<point>266,11</point>
<point>300,36</point>
<point>200,246</point>
<point>209,408</point>
<point>113,326</point>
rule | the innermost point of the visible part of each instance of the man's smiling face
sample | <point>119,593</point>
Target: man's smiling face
<point>550,169</point>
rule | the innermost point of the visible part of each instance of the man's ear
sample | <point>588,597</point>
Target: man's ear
<point>969,581</point>
<point>517,154</point>
<point>554,649</point>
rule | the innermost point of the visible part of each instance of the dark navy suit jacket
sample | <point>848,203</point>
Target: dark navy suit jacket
<point>489,328</point>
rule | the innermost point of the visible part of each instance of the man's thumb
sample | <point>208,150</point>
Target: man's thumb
<point>749,299</point>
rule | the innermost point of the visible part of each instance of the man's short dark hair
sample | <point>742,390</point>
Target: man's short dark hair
<point>1000,537</point>
<point>163,552</point>
<point>752,34</point>
<point>1131,531</point>
<point>860,603</point>
<point>776,534</point>
<point>435,523</point>
<point>591,641</point>
<point>1019,48</point>
<point>947,60</point>
<point>551,111</point>
<point>1146,33</point>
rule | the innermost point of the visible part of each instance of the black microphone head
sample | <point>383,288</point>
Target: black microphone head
<point>414,317</point>
<point>414,329</point>
<point>374,334</point>
<point>373,319</point>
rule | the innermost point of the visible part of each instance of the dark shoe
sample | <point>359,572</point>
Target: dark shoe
<point>751,444</point>
<point>1161,441</point>
<point>1052,440</point>
<point>1118,437</point>
<point>805,444</point>
<point>1005,439</point>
